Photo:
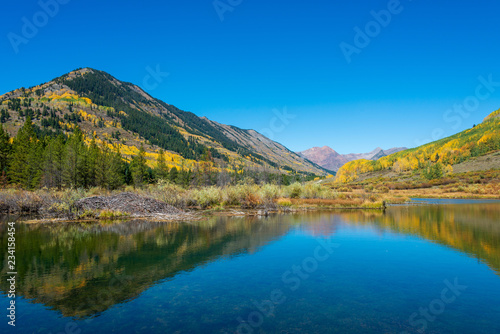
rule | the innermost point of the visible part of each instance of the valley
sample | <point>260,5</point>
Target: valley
<point>86,137</point>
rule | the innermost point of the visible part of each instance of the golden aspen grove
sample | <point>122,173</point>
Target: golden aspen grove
<point>442,154</point>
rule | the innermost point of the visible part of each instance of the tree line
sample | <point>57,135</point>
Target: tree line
<point>35,159</point>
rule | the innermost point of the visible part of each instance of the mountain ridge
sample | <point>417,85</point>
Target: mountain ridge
<point>330,159</point>
<point>124,115</point>
<point>437,158</point>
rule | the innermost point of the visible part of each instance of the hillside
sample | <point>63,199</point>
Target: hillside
<point>436,158</point>
<point>329,159</point>
<point>123,116</point>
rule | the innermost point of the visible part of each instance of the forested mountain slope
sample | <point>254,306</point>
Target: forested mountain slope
<point>435,157</point>
<point>124,116</point>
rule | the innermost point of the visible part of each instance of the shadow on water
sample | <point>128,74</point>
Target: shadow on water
<point>83,269</point>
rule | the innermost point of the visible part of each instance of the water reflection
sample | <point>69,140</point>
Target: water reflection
<point>81,270</point>
<point>470,228</point>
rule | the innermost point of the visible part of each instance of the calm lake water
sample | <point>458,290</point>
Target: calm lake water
<point>417,269</point>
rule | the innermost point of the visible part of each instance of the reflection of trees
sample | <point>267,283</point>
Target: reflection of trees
<point>83,269</point>
<point>473,229</point>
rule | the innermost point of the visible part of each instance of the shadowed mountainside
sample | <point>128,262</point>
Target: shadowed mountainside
<point>124,116</point>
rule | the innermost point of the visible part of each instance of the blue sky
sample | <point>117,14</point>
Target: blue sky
<point>269,57</point>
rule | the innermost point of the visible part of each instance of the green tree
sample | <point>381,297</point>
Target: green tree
<point>35,164</point>
<point>161,171</point>
<point>173,174</point>
<point>5,149</point>
<point>74,169</point>
<point>433,171</point>
<point>109,171</point>
<point>24,166</point>
<point>53,167</point>
<point>91,161</point>
<point>139,168</point>
<point>116,170</point>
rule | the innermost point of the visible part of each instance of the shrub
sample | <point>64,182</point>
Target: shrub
<point>313,190</point>
<point>87,214</point>
<point>382,189</point>
<point>251,201</point>
<point>206,197</point>
<point>233,195</point>
<point>294,190</point>
<point>110,214</point>
<point>284,202</point>
<point>269,193</point>
<point>170,193</point>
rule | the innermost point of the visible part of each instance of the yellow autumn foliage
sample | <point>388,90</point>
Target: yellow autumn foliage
<point>479,140</point>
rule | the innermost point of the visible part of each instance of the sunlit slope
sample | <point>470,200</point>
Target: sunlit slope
<point>477,141</point>
<point>124,116</point>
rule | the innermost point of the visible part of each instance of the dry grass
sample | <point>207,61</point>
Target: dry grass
<point>476,184</point>
<point>373,193</point>
<point>86,204</point>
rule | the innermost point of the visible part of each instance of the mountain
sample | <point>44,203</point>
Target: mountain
<point>473,149</point>
<point>125,116</point>
<point>325,156</point>
<point>329,159</point>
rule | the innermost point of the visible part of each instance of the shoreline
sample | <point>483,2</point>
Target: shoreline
<point>197,214</point>
<point>169,202</point>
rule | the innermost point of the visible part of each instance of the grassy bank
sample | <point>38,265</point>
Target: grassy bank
<point>473,185</point>
<point>65,203</point>
<point>374,193</point>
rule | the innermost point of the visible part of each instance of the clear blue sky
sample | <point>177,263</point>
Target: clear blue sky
<point>268,55</point>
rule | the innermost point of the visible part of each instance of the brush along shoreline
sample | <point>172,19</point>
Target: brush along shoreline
<point>125,205</point>
<point>165,201</point>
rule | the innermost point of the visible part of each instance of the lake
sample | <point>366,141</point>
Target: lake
<point>413,269</point>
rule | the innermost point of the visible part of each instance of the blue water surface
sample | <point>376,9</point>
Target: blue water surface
<point>424,269</point>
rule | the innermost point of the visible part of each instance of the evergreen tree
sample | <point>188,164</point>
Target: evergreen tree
<point>139,168</point>
<point>93,156</point>
<point>54,163</point>
<point>23,160</point>
<point>5,149</point>
<point>101,167</point>
<point>116,170</point>
<point>109,168</point>
<point>74,167</point>
<point>433,171</point>
<point>161,171</point>
<point>35,164</point>
<point>173,174</point>
<point>184,177</point>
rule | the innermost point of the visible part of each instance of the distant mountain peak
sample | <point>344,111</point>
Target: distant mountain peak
<point>124,115</point>
<point>328,158</point>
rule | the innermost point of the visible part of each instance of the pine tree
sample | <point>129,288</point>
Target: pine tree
<point>173,174</point>
<point>93,156</point>
<point>109,168</point>
<point>23,157</point>
<point>75,162</point>
<point>101,167</point>
<point>5,149</point>
<point>161,171</point>
<point>116,170</point>
<point>35,164</point>
<point>139,168</point>
<point>54,163</point>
